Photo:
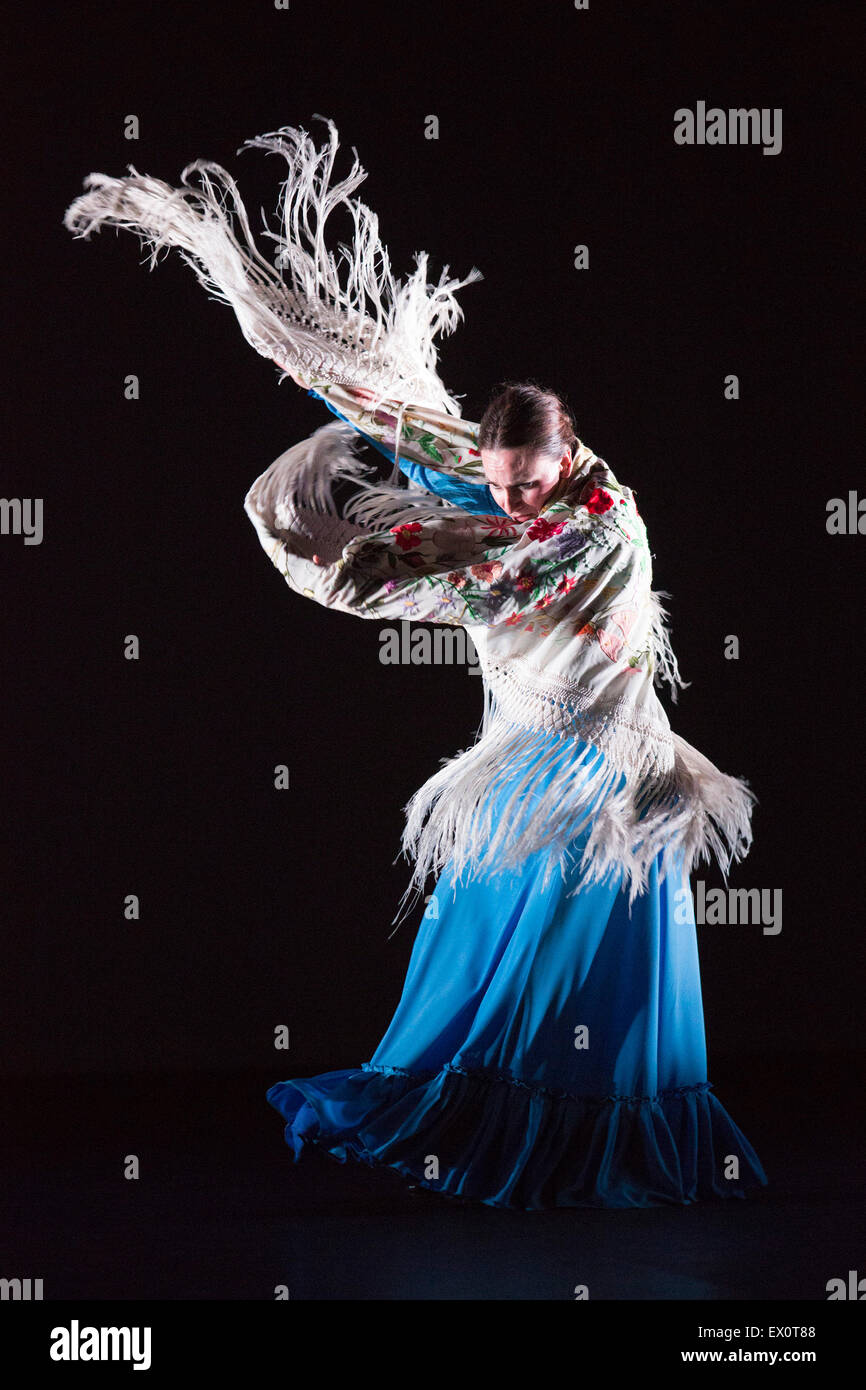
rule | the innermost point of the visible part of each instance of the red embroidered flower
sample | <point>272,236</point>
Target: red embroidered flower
<point>525,582</point>
<point>598,501</point>
<point>544,601</point>
<point>498,526</point>
<point>541,529</point>
<point>565,585</point>
<point>513,619</point>
<point>408,534</point>
<point>457,579</point>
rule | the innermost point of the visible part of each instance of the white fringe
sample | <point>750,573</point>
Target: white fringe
<point>363,329</point>
<point>306,472</point>
<point>519,791</point>
<point>665,665</point>
<point>302,480</point>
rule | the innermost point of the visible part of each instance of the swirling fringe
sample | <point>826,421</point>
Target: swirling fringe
<point>357,326</point>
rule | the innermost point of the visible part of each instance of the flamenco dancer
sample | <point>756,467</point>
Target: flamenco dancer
<point>548,1049</point>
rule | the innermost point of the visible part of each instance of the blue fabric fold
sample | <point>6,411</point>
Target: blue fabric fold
<point>505,1144</point>
<point>471,497</point>
<point>548,1050</point>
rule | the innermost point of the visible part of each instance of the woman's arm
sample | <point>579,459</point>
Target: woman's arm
<point>337,564</point>
<point>442,568</point>
<point>436,451</point>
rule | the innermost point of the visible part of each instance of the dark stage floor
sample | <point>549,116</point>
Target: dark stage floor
<point>221,1211</point>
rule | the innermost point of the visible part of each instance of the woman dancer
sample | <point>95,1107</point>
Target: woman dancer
<point>548,1049</point>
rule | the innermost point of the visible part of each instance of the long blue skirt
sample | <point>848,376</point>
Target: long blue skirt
<point>548,1051</point>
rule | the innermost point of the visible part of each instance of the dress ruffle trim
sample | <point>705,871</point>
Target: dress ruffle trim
<point>508,1143</point>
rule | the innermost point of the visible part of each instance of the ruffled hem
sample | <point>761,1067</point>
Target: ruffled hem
<point>494,1139</point>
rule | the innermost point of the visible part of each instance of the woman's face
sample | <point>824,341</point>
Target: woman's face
<point>522,481</point>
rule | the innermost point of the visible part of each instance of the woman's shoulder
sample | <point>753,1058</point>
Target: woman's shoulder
<point>595,489</point>
<point>597,504</point>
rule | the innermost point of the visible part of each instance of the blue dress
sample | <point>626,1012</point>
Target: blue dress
<point>548,1049</point>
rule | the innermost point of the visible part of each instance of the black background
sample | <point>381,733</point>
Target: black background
<point>155,777</point>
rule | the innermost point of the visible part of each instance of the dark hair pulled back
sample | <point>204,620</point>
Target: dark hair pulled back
<point>523,415</point>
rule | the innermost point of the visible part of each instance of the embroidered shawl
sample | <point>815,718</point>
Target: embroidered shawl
<point>570,635</point>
